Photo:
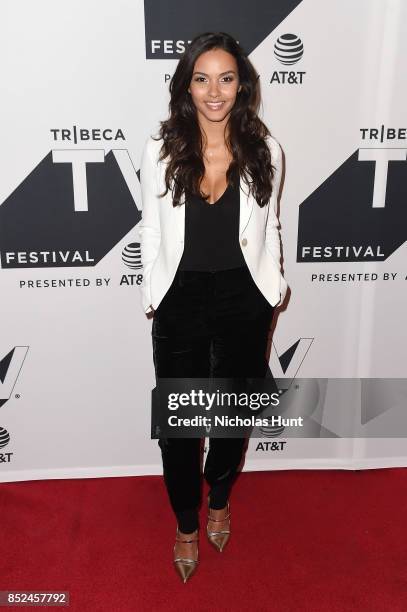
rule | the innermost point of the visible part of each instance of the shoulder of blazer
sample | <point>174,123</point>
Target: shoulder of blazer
<point>275,150</point>
<point>153,147</point>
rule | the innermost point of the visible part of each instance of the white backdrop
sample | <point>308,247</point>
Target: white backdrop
<point>76,368</point>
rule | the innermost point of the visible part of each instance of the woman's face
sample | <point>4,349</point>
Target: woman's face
<point>214,84</point>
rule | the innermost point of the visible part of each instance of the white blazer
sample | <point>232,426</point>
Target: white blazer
<point>162,230</point>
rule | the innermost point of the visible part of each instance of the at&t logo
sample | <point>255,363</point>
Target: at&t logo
<point>288,50</point>
<point>4,440</point>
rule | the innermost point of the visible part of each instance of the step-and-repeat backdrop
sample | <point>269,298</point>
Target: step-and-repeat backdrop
<point>83,84</point>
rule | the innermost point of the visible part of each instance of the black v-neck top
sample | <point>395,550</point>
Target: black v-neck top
<point>211,239</point>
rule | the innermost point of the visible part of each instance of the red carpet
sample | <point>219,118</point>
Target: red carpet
<point>328,540</point>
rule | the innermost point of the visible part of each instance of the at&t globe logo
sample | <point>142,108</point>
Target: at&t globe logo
<point>288,49</point>
<point>4,437</point>
<point>131,256</point>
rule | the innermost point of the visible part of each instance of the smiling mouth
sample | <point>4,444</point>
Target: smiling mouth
<point>214,105</point>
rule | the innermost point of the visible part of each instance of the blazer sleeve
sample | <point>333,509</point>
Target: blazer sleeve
<point>272,237</point>
<point>149,226</point>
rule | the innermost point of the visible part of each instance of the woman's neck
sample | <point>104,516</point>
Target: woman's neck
<point>214,132</point>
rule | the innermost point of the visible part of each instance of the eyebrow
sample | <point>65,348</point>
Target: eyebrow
<point>221,74</point>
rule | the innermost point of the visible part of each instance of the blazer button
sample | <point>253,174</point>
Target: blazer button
<point>244,241</point>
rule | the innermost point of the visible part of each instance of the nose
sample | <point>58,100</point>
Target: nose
<point>213,89</point>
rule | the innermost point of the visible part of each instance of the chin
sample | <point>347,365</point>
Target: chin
<point>216,117</point>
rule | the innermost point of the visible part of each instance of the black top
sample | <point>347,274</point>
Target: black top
<point>212,231</point>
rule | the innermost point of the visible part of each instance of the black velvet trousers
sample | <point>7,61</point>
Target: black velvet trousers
<point>208,325</point>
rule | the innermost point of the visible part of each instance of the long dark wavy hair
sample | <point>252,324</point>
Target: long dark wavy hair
<point>182,136</point>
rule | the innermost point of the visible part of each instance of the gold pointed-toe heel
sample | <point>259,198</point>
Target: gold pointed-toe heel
<point>184,566</point>
<point>220,538</point>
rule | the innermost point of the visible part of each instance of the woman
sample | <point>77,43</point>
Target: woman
<point>211,260</point>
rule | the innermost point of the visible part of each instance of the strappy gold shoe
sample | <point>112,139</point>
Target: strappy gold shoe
<point>184,566</point>
<point>218,538</point>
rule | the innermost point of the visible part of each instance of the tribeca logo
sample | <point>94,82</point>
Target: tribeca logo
<point>10,368</point>
<point>382,134</point>
<point>77,134</point>
<point>359,213</point>
<point>70,211</point>
<point>288,50</point>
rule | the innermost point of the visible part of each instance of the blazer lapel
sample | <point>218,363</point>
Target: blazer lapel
<point>245,206</point>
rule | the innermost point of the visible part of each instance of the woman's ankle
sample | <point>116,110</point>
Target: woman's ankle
<point>187,532</point>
